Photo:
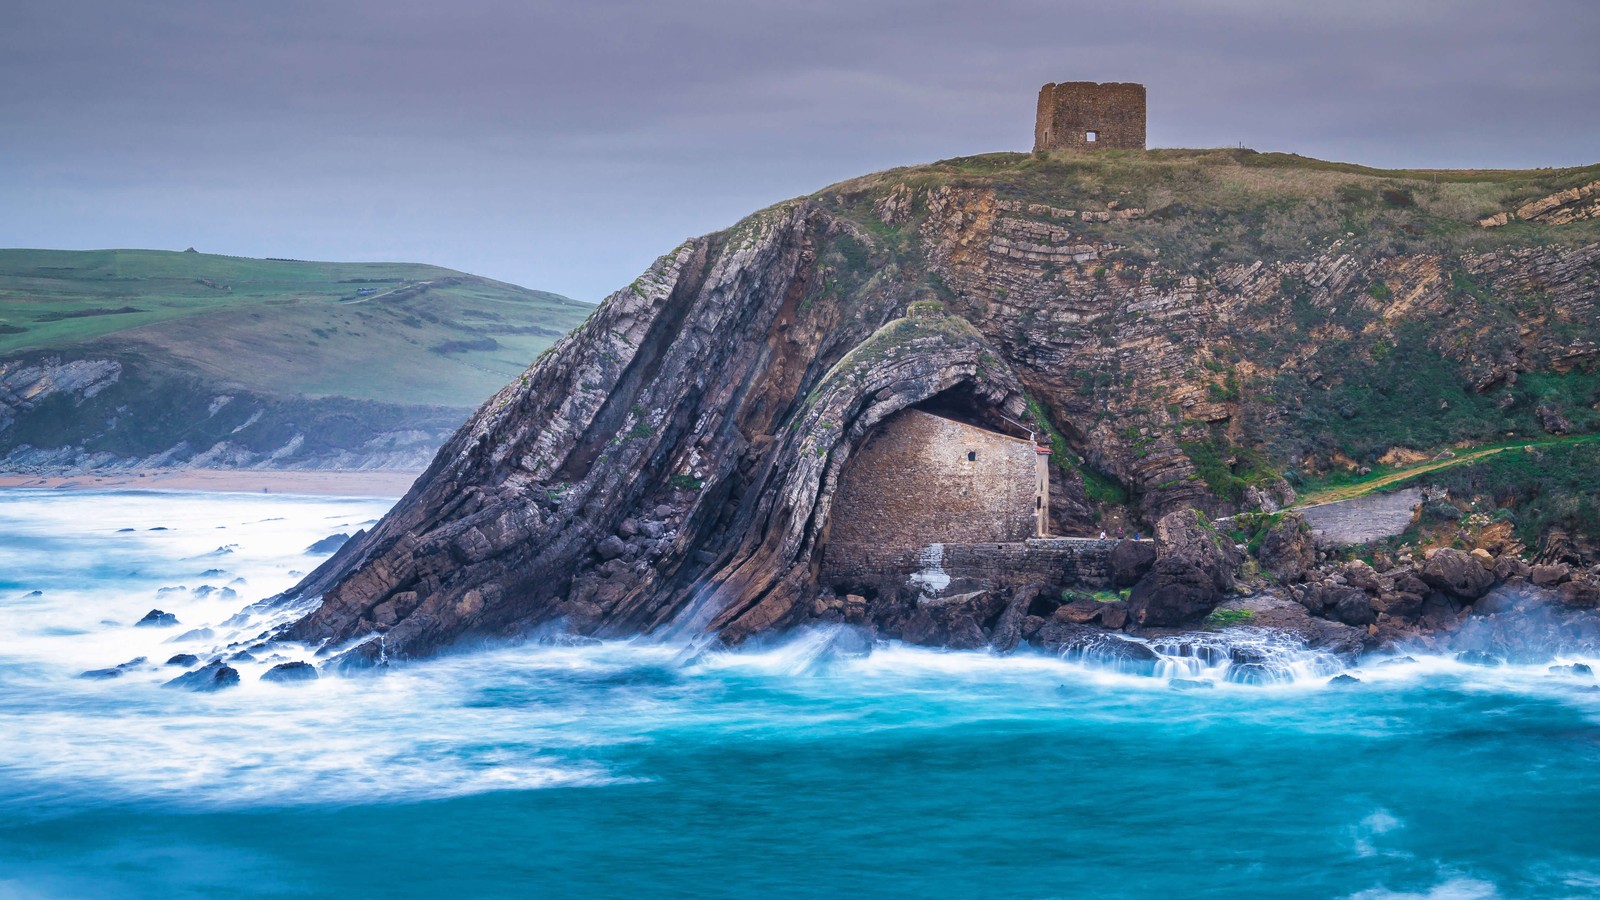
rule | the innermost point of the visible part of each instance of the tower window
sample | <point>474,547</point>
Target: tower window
<point>972,456</point>
<point>1091,136</point>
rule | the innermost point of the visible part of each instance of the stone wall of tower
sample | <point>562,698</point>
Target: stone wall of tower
<point>1084,115</point>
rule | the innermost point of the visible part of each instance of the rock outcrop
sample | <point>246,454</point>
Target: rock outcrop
<point>1193,572</point>
<point>717,398</point>
<point>671,466</point>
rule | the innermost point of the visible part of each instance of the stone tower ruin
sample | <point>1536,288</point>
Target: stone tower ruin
<point>1084,115</point>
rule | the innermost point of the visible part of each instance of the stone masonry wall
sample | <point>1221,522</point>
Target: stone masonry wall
<point>921,479</point>
<point>1054,562</point>
<point>1069,111</point>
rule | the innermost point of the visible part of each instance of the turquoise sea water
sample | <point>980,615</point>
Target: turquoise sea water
<point>643,770</point>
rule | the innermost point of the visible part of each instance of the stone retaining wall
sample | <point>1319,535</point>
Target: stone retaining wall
<point>1060,562</point>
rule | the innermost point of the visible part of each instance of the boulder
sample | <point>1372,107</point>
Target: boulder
<point>1343,680</point>
<point>1573,670</point>
<point>1478,658</point>
<point>1007,631</point>
<point>362,657</point>
<point>1130,560</point>
<point>156,618</point>
<point>1509,567</point>
<point>291,673</point>
<point>1192,573</point>
<point>1457,573</point>
<point>1078,610</point>
<point>1358,574</point>
<point>182,659</point>
<point>611,548</point>
<point>328,544</point>
<point>114,671</point>
<point>1579,593</point>
<point>1354,607</point>
<point>1550,574</point>
<point>1288,549</point>
<point>213,676</point>
<point>1484,558</point>
<point>958,622</point>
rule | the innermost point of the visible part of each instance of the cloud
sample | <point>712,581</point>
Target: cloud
<point>564,145</point>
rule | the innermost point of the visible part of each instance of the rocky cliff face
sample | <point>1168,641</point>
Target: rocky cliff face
<point>65,413</point>
<point>672,465</point>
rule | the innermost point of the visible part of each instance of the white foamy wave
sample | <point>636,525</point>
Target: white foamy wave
<point>1457,888</point>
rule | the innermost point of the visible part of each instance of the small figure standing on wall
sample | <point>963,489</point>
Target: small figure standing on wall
<point>1102,535</point>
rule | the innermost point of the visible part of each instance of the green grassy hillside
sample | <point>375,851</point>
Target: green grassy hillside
<point>398,333</point>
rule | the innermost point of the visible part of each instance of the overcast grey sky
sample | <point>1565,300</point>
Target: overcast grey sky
<point>564,145</point>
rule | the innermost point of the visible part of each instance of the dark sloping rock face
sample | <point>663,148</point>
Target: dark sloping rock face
<point>1288,549</point>
<point>714,399</point>
<point>1192,574</point>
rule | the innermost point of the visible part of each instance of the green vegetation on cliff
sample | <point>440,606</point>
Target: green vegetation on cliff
<point>1200,325</point>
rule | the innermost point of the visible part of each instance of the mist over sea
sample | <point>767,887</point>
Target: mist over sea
<point>799,767</point>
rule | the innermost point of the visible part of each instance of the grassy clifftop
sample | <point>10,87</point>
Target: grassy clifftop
<point>398,333</point>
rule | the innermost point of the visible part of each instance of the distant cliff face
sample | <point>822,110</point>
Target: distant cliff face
<point>133,359</point>
<point>108,413</point>
<point>1188,329</point>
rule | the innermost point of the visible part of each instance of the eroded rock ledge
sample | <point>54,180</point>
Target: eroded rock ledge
<point>668,466</point>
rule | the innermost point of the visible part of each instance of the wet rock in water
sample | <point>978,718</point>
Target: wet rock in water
<point>1572,670</point>
<point>1192,574</point>
<point>328,544</point>
<point>1457,573</point>
<point>156,618</point>
<point>1185,684</point>
<point>1478,658</point>
<point>957,622</point>
<point>365,657</point>
<point>193,634</point>
<point>850,643</point>
<point>182,659</point>
<point>1086,643</point>
<point>1344,679</point>
<point>242,656</point>
<point>213,676</point>
<point>1252,673</point>
<point>121,530</point>
<point>291,673</point>
<point>114,671</point>
<point>1395,661</point>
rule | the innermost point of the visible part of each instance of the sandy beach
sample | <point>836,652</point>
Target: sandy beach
<point>330,483</point>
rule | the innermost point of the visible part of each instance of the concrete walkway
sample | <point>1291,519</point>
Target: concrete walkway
<point>1362,520</point>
